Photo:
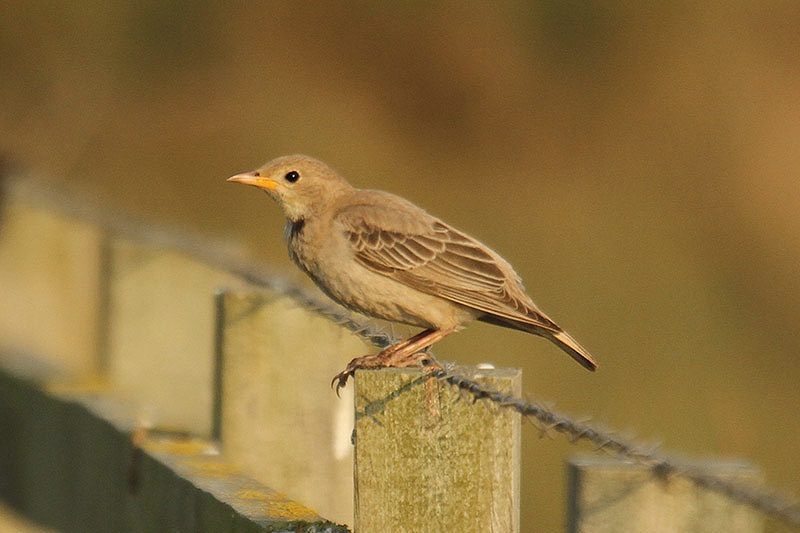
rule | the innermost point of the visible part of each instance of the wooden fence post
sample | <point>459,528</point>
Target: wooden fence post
<point>607,495</point>
<point>161,334</point>
<point>50,276</point>
<point>277,415</point>
<point>428,458</point>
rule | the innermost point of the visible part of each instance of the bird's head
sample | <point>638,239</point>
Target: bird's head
<point>300,184</point>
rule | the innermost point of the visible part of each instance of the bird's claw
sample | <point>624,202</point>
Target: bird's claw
<point>340,379</point>
<point>367,361</point>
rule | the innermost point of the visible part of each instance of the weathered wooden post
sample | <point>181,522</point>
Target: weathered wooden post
<point>608,495</point>
<point>429,458</point>
<point>60,431</point>
<point>277,415</point>
<point>161,334</point>
<point>49,271</point>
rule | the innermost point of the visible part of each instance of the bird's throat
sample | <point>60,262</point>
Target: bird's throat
<point>293,230</point>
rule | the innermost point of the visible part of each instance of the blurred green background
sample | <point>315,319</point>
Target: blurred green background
<point>638,164</point>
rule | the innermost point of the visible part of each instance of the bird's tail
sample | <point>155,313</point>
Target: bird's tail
<point>562,339</point>
<point>544,327</point>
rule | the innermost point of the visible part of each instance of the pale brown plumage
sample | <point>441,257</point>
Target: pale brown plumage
<point>381,255</point>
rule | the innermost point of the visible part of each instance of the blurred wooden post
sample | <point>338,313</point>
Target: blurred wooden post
<point>429,459</point>
<point>50,275</point>
<point>277,415</point>
<point>607,495</point>
<point>161,334</point>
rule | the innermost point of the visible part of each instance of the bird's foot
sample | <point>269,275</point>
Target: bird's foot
<point>385,360</point>
<point>366,361</point>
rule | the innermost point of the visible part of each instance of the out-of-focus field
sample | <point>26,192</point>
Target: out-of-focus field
<point>638,165</point>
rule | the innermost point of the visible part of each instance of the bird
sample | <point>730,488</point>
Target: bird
<point>380,255</point>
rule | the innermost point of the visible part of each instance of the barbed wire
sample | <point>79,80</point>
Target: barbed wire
<point>234,260</point>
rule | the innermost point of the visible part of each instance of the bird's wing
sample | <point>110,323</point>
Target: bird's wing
<point>430,256</point>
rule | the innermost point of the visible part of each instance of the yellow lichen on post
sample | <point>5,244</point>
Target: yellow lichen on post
<point>428,458</point>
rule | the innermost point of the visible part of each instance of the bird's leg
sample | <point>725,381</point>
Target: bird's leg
<point>410,352</point>
<point>374,360</point>
<point>389,350</point>
<point>415,350</point>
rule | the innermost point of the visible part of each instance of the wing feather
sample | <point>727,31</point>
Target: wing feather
<point>435,258</point>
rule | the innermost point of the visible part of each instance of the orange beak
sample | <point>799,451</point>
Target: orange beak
<point>253,178</point>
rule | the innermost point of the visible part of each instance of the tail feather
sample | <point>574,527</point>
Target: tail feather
<point>544,327</point>
<point>572,348</point>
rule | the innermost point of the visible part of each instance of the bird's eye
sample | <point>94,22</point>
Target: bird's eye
<point>292,176</point>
